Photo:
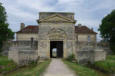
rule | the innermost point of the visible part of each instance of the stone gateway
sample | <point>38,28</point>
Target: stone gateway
<point>56,36</point>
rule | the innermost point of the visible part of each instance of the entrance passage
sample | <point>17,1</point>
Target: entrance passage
<point>56,49</point>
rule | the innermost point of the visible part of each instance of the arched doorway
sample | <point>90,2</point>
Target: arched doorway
<point>57,38</point>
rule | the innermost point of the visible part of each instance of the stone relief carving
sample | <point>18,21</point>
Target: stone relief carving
<point>56,34</point>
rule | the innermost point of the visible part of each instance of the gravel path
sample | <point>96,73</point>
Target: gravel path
<point>58,68</point>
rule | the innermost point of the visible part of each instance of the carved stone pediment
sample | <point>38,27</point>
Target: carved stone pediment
<point>56,18</point>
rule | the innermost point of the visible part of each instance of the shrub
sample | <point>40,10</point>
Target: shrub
<point>71,57</point>
<point>113,48</point>
<point>33,63</point>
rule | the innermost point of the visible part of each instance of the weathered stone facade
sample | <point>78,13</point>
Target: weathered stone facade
<point>57,30</point>
<point>23,51</point>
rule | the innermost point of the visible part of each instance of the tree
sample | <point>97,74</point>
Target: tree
<point>107,29</point>
<point>5,32</point>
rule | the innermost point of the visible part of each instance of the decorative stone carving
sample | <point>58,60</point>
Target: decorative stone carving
<point>56,34</point>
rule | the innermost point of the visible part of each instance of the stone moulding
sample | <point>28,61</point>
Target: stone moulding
<point>56,18</point>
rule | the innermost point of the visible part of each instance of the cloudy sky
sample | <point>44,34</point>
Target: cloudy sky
<point>87,12</point>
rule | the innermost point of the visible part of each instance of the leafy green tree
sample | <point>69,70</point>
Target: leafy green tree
<point>107,29</point>
<point>5,32</point>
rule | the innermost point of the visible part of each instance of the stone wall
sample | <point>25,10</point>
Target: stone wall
<point>89,54</point>
<point>26,37</point>
<point>27,57</point>
<point>99,54</point>
<point>13,55</point>
<point>22,52</point>
<point>24,44</point>
<point>84,57</point>
<point>22,57</point>
<point>84,37</point>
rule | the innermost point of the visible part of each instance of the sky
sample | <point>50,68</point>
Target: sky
<point>87,12</point>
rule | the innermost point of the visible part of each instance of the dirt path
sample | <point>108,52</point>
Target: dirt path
<point>58,68</point>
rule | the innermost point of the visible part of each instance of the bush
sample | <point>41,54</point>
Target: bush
<point>113,48</point>
<point>33,63</point>
<point>111,57</point>
<point>71,57</point>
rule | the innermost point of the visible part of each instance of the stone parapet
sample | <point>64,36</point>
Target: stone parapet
<point>90,54</point>
<point>23,57</point>
<point>22,52</point>
<point>84,57</point>
<point>99,54</point>
<point>24,44</point>
<point>13,55</point>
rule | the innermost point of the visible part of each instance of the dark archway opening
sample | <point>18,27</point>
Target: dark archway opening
<point>58,46</point>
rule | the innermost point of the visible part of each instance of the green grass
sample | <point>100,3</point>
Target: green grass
<point>81,70</point>
<point>108,65</point>
<point>111,57</point>
<point>31,70</point>
<point>5,64</point>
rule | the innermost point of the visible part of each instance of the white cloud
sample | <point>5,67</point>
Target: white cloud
<point>20,13</point>
<point>86,11</point>
<point>38,5</point>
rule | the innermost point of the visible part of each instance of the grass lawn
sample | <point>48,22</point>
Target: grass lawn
<point>5,64</point>
<point>82,70</point>
<point>108,65</point>
<point>31,70</point>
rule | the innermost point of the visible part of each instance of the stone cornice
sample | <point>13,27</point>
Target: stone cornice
<point>57,19</point>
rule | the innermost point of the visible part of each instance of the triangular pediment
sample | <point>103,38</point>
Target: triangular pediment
<point>56,18</point>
